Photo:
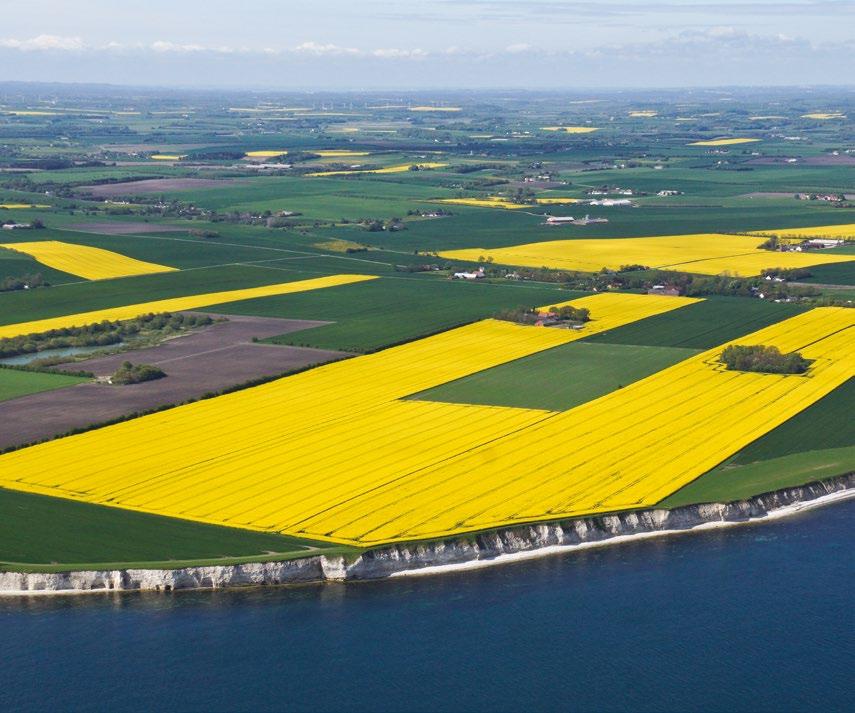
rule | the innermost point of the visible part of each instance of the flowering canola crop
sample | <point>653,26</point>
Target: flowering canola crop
<point>176,304</point>
<point>491,202</point>
<point>278,455</point>
<point>85,261</point>
<point>402,168</point>
<point>839,232</point>
<point>723,142</point>
<point>703,253</point>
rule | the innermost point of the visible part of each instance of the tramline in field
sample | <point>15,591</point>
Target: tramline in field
<point>273,458</point>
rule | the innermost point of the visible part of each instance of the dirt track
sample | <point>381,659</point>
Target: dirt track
<point>212,359</point>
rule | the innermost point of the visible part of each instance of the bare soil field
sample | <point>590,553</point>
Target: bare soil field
<point>209,360</point>
<point>127,228</point>
<point>155,185</point>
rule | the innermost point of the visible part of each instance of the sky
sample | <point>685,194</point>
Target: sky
<point>422,44</point>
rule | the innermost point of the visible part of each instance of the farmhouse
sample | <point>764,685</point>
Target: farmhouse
<point>16,226</point>
<point>823,243</point>
<point>559,219</point>
<point>665,290</point>
<point>609,202</point>
<point>477,275</point>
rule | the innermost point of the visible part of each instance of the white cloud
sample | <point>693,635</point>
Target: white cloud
<point>315,48</point>
<point>161,46</point>
<point>44,42</point>
<point>518,47</point>
<point>394,53</point>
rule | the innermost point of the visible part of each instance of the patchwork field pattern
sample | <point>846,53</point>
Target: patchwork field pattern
<point>85,261</point>
<point>271,458</point>
<point>703,253</point>
<point>176,304</point>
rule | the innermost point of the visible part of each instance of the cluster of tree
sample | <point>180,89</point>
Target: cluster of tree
<point>26,282</point>
<point>217,155</point>
<point>34,224</point>
<point>556,315</point>
<point>101,334</point>
<point>129,373</point>
<point>437,211</point>
<point>638,277</point>
<point>422,267</point>
<point>787,273</point>
<point>374,225</point>
<point>568,313</point>
<point>472,167</point>
<point>765,359</point>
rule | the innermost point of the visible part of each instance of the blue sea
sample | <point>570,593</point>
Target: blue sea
<point>755,618</point>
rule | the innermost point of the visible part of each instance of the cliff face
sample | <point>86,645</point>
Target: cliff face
<point>461,551</point>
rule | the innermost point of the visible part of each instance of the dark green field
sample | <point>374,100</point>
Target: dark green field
<point>826,424</point>
<point>38,530</point>
<point>15,383</point>
<point>735,482</point>
<point>559,378</point>
<point>702,325</point>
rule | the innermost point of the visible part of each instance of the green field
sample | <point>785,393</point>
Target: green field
<point>37,533</point>
<point>736,482</point>
<point>702,325</point>
<point>559,378</point>
<point>15,382</point>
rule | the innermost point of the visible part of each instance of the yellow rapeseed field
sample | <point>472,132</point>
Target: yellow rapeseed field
<point>490,202</point>
<point>571,129</point>
<point>824,116</point>
<point>628,449</point>
<point>703,253</point>
<point>85,261</point>
<point>167,156</point>
<point>645,114</point>
<point>845,231</point>
<point>723,142</point>
<point>176,304</point>
<point>265,154</point>
<point>276,457</point>
<point>21,206</point>
<point>402,168</point>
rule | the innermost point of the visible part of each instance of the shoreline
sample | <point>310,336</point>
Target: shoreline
<point>461,553</point>
<point>781,513</point>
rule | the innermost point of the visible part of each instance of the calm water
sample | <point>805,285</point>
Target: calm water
<point>23,359</point>
<point>751,618</point>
